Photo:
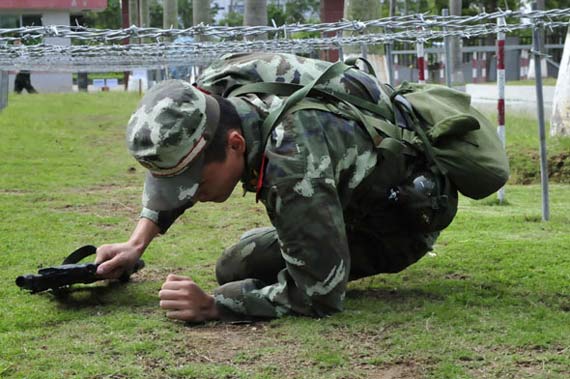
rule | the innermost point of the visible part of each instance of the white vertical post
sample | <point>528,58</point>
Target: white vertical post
<point>559,121</point>
<point>484,67</point>
<point>441,68</point>
<point>340,50</point>
<point>396,70</point>
<point>501,91</point>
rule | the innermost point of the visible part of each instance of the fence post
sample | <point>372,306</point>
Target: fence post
<point>396,70</point>
<point>447,47</point>
<point>3,89</point>
<point>501,92</point>
<point>524,64</point>
<point>340,50</point>
<point>536,43</point>
<point>484,67</point>
<point>364,50</point>
<point>421,61</point>
<point>474,68</point>
<point>389,60</point>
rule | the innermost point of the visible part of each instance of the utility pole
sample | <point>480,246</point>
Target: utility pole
<point>255,15</point>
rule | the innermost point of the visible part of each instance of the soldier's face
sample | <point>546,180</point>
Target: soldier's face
<point>220,178</point>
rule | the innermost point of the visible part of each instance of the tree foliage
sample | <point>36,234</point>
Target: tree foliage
<point>301,11</point>
<point>110,18</point>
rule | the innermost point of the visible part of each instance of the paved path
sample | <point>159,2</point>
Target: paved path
<point>520,99</point>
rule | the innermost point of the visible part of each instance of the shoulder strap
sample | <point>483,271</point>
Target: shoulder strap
<point>287,89</point>
<point>79,254</point>
<point>393,140</point>
<point>348,105</point>
<point>352,62</point>
<point>273,118</point>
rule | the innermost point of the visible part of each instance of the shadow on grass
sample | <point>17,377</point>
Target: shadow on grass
<point>462,292</point>
<point>393,295</point>
<point>114,293</point>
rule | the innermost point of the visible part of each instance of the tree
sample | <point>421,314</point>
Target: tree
<point>294,11</point>
<point>232,19</point>
<point>110,18</point>
<point>184,13</point>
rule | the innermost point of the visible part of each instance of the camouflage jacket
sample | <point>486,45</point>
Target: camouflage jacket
<point>315,164</point>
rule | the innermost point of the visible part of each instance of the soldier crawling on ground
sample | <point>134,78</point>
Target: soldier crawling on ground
<point>346,199</point>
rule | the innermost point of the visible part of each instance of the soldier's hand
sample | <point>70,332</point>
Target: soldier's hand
<point>115,259</point>
<point>184,300</point>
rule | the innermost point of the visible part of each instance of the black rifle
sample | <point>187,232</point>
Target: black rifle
<point>70,272</point>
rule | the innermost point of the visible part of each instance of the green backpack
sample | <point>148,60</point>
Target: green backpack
<point>457,140</point>
<point>464,144</point>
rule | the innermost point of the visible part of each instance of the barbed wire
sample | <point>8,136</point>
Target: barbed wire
<point>104,53</point>
<point>412,22</point>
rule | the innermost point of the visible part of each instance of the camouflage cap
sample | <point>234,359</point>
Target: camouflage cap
<point>167,134</point>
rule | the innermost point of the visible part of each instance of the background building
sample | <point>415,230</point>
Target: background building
<point>17,13</point>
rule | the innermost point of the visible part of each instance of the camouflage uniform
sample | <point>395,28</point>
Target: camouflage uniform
<point>325,188</point>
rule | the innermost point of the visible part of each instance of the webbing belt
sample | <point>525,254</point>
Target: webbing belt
<point>349,106</point>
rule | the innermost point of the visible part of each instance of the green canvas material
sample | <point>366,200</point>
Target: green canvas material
<point>464,142</point>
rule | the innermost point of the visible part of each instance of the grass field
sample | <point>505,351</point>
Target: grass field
<point>492,301</point>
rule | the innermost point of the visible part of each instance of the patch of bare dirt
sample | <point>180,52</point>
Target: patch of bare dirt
<point>397,371</point>
<point>254,346</point>
<point>525,169</point>
<point>13,192</point>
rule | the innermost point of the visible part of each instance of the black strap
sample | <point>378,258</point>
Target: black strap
<point>79,254</point>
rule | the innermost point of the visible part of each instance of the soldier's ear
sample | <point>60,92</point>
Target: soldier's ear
<point>236,141</point>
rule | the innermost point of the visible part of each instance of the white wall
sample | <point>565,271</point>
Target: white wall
<point>52,81</point>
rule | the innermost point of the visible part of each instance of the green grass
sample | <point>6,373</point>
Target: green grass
<point>493,301</point>
<point>531,82</point>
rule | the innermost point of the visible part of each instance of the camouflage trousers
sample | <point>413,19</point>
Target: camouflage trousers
<point>370,254</point>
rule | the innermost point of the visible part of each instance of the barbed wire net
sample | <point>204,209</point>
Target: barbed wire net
<point>77,48</point>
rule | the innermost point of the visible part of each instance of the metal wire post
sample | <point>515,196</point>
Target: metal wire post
<point>447,46</point>
<point>536,34</point>
<point>340,50</point>
<point>389,59</point>
<point>3,89</point>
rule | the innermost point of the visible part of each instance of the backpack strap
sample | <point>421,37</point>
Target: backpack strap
<point>346,105</point>
<point>287,89</point>
<point>353,60</point>
<point>406,113</point>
